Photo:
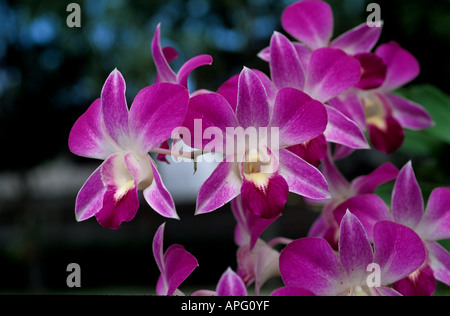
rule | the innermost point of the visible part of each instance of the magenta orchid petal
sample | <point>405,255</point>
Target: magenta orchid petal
<point>291,291</point>
<point>373,71</point>
<point>170,53</point>
<point>157,247</point>
<point>229,90</point>
<point>120,201</point>
<point>298,117</point>
<point>190,65</point>
<point>435,223</point>
<point>90,198</point>
<point>360,39</point>
<point>252,103</point>
<point>439,261</point>
<point>267,200</point>
<point>386,291</point>
<point>311,264</point>
<point>349,104</point>
<point>331,72</point>
<point>402,66</point>
<point>214,112</point>
<point>88,137</point>
<point>312,151</point>
<point>398,250</point>
<point>264,54</point>
<point>355,251</point>
<point>407,200</point>
<point>178,265</point>
<point>303,178</point>
<point>409,114</point>
<point>309,21</point>
<point>369,183</point>
<point>340,129</point>
<point>248,222</point>
<point>161,102</point>
<point>420,283</point>
<point>389,138</point>
<point>165,73</point>
<point>368,208</point>
<point>158,197</point>
<point>115,109</point>
<point>221,187</point>
<point>285,67</point>
<point>231,284</point>
<point>338,184</point>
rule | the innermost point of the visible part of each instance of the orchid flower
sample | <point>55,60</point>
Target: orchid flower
<point>310,264</point>
<point>175,265</point>
<point>257,260</point>
<point>377,109</point>
<point>326,73</point>
<point>123,138</point>
<point>357,194</point>
<point>230,284</point>
<point>431,224</point>
<point>264,184</point>
<point>162,58</point>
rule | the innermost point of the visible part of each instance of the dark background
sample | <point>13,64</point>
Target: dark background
<point>50,74</point>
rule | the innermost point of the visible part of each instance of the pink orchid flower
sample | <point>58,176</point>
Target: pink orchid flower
<point>175,265</point>
<point>311,265</point>
<point>109,131</point>
<point>431,224</point>
<point>263,186</point>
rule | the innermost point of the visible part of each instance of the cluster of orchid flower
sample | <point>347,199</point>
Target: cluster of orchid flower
<point>322,97</point>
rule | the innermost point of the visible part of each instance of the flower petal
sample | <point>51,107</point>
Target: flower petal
<point>302,178</point>
<point>158,197</point>
<point>312,151</point>
<point>439,261</point>
<point>310,22</point>
<point>373,71</point>
<point>120,201</point>
<point>331,72</point>
<point>338,184</point>
<point>420,283</point>
<point>165,73</point>
<point>298,117</point>
<point>341,130</point>
<point>179,264</point>
<point>368,208</point>
<point>250,223</point>
<point>349,104</point>
<point>161,102</point>
<point>190,65</point>
<point>409,114</point>
<point>90,198</point>
<point>221,187</point>
<point>435,223</point>
<point>355,251</point>
<point>389,138</point>
<point>208,111</point>
<point>291,291</point>
<point>398,250</point>
<point>310,263</point>
<point>252,103</point>
<point>407,201</point>
<point>115,109</point>
<point>268,200</point>
<point>285,67</point>
<point>230,284</point>
<point>369,183</point>
<point>157,247</point>
<point>88,137</point>
<point>360,39</point>
<point>402,66</point>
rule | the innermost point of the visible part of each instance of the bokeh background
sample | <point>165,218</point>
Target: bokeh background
<point>50,74</point>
